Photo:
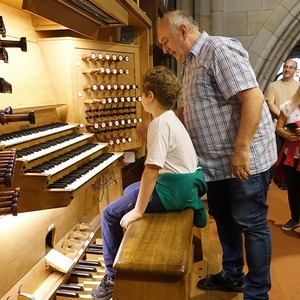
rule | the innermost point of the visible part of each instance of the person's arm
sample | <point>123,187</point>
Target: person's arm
<point>252,102</point>
<point>270,99</point>
<point>148,181</point>
<point>280,129</point>
<point>273,108</point>
<point>141,131</point>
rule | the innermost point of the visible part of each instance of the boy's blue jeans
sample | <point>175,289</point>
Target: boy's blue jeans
<point>112,231</point>
<point>240,211</point>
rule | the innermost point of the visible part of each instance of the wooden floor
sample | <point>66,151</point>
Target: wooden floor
<point>285,270</point>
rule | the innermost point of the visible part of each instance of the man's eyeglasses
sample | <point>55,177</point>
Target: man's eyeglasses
<point>289,67</point>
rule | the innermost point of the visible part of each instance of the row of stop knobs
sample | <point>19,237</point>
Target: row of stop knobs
<point>111,100</point>
<point>106,71</point>
<point>105,57</point>
<point>110,87</point>
<point>116,123</point>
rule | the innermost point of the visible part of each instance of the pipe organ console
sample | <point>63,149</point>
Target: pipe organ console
<point>77,105</point>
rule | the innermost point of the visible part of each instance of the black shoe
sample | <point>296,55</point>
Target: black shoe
<point>104,290</point>
<point>283,187</point>
<point>221,282</point>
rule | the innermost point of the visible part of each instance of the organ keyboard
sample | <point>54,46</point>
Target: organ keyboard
<point>60,163</point>
<point>54,162</point>
<point>31,153</point>
<point>22,136</point>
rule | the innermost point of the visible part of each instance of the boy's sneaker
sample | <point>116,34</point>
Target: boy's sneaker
<point>291,224</point>
<point>104,290</point>
<point>221,282</point>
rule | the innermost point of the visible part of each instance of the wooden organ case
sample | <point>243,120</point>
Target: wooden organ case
<point>84,91</point>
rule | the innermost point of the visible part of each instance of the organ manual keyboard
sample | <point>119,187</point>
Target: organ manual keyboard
<point>54,161</point>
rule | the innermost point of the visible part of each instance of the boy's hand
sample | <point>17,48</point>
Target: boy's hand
<point>130,217</point>
<point>140,132</point>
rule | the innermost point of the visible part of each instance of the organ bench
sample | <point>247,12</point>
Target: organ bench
<point>155,259</point>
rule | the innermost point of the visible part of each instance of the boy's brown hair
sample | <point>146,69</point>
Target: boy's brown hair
<point>165,86</point>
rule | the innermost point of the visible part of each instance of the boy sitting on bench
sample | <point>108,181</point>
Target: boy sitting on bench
<point>171,181</point>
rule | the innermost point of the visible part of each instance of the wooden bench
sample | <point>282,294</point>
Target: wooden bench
<point>155,258</point>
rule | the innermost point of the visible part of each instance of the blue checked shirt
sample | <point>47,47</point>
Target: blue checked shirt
<point>215,70</point>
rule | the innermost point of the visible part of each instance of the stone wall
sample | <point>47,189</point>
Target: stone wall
<point>268,29</point>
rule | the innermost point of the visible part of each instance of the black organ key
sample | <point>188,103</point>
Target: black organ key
<point>67,294</point>
<point>80,274</point>
<point>96,246</point>
<point>89,263</point>
<point>71,287</point>
<point>85,268</point>
<point>94,251</point>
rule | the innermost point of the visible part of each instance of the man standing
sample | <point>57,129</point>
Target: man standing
<point>230,125</point>
<point>282,90</point>
<point>277,93</point>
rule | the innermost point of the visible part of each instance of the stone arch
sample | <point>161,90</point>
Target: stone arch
<point>282,40</point>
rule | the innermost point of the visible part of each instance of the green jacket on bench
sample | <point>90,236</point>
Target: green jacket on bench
<point>181,191</point>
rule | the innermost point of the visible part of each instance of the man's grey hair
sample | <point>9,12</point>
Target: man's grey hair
<point>177,17</point>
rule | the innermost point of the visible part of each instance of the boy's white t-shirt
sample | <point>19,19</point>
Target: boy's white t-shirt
<point>169,146</point>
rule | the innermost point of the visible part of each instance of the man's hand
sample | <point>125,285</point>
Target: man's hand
<point>240,164</point>
<point>130,217</point>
